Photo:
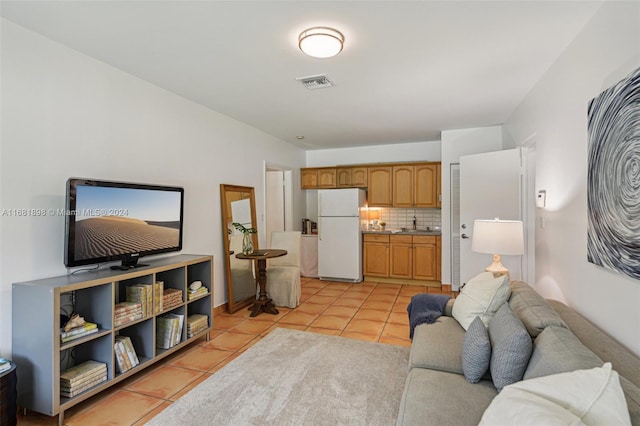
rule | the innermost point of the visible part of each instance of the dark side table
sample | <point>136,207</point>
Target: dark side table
<point>263,303</point>
<point>8,396</point>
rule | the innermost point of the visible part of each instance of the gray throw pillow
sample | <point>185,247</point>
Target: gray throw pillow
<point>510,348</point>
<point>476,351</point>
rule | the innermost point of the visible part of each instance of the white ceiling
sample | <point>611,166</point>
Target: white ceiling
<point>409,69</point>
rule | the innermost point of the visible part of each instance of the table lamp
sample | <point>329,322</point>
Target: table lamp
<point>498,237</point>
<point>374,217</point>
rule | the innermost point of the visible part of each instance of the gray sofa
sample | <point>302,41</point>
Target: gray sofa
<point>436,392</point>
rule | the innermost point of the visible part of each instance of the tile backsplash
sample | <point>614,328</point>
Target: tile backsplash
<point>403,218</point>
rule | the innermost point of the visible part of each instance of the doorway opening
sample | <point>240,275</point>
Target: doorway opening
<point>278,200</point>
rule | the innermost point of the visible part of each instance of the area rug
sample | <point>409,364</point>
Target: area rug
<point>295,377</point>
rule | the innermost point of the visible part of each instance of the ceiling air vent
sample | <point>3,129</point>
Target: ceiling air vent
<point>315,82</point>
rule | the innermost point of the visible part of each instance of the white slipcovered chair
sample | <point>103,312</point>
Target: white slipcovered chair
<point>283,273</point>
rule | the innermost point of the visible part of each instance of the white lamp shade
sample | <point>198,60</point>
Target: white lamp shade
<point>504,237</point>
<point>321,42</point>
<point>374,214</point>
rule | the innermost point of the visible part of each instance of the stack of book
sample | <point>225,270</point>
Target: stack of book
<point>126,312</point>
<point>192,294</point>
<point>158,289</point>
<point>126,357</point>
<point>169,330</point>
<point>142,293</point>
<point>171,297</point>
<point>4,365</point>
<point>82,377</point>
<point>78,332</point>
<point>196,323</point>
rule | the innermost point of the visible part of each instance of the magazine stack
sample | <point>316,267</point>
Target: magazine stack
<point>142,293</point>
<point>196,323</point>
<point>126,357</point>
<point>171,297</point>
<point>169,330</point>
<point>82,377</point>
<point>78,332</point>
<point>127,312</point>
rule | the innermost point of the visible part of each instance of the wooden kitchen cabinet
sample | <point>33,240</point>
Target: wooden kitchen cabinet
<point>327,177</point>
<point>401,256</point>
<point>426,186</point>
<point>351,177</point>
<point>426,257</point>
<point>380,189</point>
<point>308,178</point>
<point>403,186</point>
<point>376,255</point>
<point>318,177</point>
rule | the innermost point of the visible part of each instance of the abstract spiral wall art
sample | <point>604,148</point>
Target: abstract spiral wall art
<point>613,192</point>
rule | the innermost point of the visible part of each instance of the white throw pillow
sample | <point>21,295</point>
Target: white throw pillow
<point>481,297</point>
<point>591,397</point>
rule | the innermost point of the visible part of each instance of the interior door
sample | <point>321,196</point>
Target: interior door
<point>490,187</point>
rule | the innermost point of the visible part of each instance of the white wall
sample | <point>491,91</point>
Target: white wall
<point>456,143</point>
<point>415,151</point>
<point>555,113</point>
<point>65,114</point>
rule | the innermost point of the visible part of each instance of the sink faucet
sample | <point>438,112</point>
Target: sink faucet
<point>414,223</point>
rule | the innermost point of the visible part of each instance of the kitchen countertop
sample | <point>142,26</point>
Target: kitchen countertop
<point>407,232</point>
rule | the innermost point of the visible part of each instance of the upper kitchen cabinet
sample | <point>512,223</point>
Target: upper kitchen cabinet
<point>403,186</point>
<point>380,186</point>
<point>416,185</point>
<point>321,177</point>
<point>351,177</point>
<point>426,188</point>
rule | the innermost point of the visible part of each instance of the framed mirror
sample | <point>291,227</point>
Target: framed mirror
<point>238,206</point>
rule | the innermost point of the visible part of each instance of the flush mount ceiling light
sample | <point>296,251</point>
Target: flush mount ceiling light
<point>321,42</point>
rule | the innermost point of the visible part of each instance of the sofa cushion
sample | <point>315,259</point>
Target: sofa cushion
<point>632,395</point>
<point>476,351</point>
<point>591,396</point>
<point>481,296</point>
<point>558,350</point>
<point>438,346</point>
<point>532,309</point>
<point>510,347</point>
<point>440,398</point>
<point>623,361</point>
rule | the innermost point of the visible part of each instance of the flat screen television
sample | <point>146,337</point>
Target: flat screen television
<point>111,221</point>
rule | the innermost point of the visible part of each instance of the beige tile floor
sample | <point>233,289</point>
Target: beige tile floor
<point>369,311</point>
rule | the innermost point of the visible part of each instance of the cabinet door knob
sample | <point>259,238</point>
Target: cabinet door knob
<point>464,236</point>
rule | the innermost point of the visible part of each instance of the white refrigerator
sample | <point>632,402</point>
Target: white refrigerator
<point>340,234</point>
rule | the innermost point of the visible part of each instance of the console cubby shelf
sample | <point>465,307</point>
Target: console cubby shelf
<point>39,353</point>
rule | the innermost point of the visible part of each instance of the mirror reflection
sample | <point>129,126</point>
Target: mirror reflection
<point>238,206</point>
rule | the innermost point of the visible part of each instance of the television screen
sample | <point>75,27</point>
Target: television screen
<point>109,221</point>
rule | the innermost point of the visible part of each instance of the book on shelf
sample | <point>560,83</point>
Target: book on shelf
<point>142,293</point>
<point>177,328</point>
<point>168,330</point>
<point>125,312</point>
<point>90,378</point>
<point>71,392</point>
<point>158,289</point>
<point>78,330</point>
<point>130,350</point>
<point>78,335</point>
<point>201,291</point>
<point>123,363</point>
<point>196,323</point>
<point>171,297</point>
<point>76,373</point>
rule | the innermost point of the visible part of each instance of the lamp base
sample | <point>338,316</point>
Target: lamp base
<point>497,268</point>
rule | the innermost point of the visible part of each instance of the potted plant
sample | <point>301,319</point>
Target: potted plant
<point>247,240</point>
<point>382,225</point>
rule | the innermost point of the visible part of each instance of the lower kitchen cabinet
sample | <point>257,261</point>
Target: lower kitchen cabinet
<point>408,257</point>
<point>376,255</point>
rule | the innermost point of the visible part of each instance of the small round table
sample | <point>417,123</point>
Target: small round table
<point>263,303</point>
